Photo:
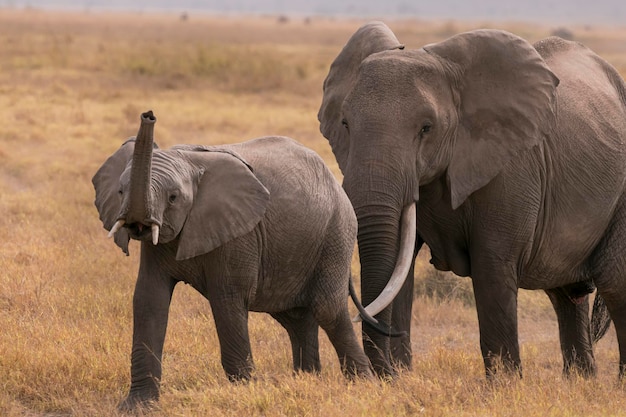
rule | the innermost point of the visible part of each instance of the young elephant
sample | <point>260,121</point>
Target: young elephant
<point>257,226</point>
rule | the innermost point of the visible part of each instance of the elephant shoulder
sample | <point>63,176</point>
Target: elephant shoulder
<point>565,56</point>
<point>553,46</point>
<point>278,145</point>
<point>281,153</point>
<point>573,61</point>
<point>290,167</point>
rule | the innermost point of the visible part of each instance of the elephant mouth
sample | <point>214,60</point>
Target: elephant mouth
<point>138,230</point>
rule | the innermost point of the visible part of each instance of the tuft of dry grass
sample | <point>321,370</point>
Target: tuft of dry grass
<point>72,86</point>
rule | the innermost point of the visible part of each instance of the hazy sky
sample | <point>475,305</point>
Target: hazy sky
<point>556,11</point>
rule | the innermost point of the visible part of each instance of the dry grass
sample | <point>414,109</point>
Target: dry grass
<point>71,89</point>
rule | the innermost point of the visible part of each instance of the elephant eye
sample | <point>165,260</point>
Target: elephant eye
<point>172,198</point>
<point>344,123</point>
<point>120,192</point>
<point>425,129</point>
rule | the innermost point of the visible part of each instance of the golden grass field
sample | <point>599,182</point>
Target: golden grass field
<point>72,86</point>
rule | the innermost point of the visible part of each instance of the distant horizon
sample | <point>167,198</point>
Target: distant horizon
<point>609,12</point>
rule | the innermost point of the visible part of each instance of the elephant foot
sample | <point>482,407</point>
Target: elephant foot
<point>580,366</point>
<point>585,372</point>
<point>136,402</point>
<point>240,378</point>
<point>357,370</point>
<point>496,365</point>
<point>382,368</point>
<point>384,372</point>
<point>361,375</point>
<point>380,363</point>
<point>239,372</point>
<point>401,354</point>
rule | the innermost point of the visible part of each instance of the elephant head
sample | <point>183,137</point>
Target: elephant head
<point>202,196</point>
<point>456,111</point>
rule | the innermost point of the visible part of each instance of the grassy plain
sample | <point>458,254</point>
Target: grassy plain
<point>72,86</point>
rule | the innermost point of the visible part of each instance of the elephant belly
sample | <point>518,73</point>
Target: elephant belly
<point>277,292</point>
<point>545,278</point>
<point>565,242</point>
<point>559,261</point>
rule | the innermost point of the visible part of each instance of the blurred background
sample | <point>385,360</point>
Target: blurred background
<point>553,11</point>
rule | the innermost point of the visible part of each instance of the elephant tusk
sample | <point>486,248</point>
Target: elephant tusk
<point>117,226</point>
<point>155,234</point>
<point>403,264</point>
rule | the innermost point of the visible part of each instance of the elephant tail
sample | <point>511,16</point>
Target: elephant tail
<point>600,319</point>
<point>378,326</point>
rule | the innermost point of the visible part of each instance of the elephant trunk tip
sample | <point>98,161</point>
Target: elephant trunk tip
<point>148,117</point>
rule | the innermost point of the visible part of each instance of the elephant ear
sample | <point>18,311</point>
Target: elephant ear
<point>229,202</point>
<point>106,182</point>
<point>368,39</point>
<point>506,96</point>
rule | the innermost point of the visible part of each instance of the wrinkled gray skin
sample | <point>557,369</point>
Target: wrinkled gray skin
<point>257,226</point>
<point>516,157</point>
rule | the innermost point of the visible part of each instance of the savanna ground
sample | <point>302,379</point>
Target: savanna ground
<point>72,87</point>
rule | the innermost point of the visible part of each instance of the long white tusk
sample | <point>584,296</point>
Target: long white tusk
<point>117,226</point>
<point>403,264</point>
<point>155,233</point>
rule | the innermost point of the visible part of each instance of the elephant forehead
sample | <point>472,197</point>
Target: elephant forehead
<point>167,164</point>
<point>395,79</point>
<point>401,66</point>
<point>399,102</point>
<point>165,160</point>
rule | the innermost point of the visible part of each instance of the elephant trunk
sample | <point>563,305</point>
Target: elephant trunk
<point>141,171</point>
<point>386,240</point>
<point>379,247</point>
<point>408,232</point>
<point>138,208</point>
<point>384,201</point>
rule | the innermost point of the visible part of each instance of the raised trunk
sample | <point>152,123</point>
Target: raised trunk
<point>141,171</point>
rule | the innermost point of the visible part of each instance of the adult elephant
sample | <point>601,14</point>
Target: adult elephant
<point>515,157</point>
<point>257,226</point>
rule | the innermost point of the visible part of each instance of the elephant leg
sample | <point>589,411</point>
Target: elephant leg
<point>231,322</point>
<point>378,347</point>
<point>343,338</point>
<point>401,314</point>
<point>620,327</point>
<point>496,304</point>
<point>574,332</point>
<point>329,305</point>
<point>618,315</point>
<point>151,303</point>
<point>609,264</point>
<point>303,334</point>
<point>615,299</point>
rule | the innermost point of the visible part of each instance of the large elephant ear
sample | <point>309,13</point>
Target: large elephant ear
<point>106,182</point>
<point>506,99</point>
<point>368,39</point>
<point>229,202</point>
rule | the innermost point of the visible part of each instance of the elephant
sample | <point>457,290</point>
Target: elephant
<point>507,159</point>
<point>256,226</point>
